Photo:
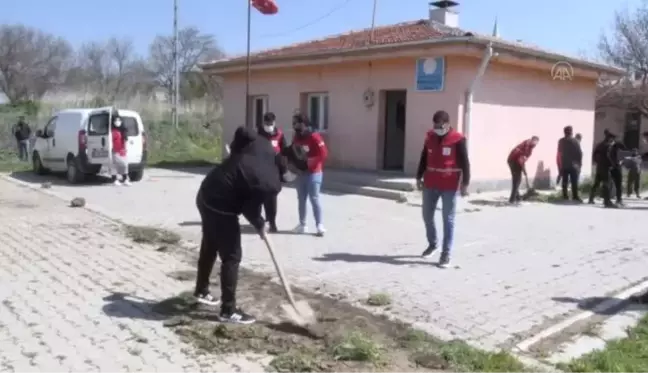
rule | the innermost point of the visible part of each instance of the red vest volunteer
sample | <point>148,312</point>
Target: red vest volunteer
<point>521,153</point>
<point>444,161</point>
<point>316,150</point>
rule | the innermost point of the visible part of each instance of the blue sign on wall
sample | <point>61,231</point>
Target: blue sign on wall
<point>430,74</point>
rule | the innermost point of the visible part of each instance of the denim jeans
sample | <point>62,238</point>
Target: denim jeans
<point>23,150</point>
<point>308,187</point>
<point>448,210</point>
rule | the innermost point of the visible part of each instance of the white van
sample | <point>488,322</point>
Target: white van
<point>78,142</point>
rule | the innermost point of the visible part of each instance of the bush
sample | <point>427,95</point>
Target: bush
<point>196,141</point>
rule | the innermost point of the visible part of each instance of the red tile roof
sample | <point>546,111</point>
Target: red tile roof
<point>392,34</point>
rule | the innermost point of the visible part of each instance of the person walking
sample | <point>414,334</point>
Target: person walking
<point>238,186</point>
<point>443,169</point>
<point>633,165</point>
<point>119,167</point>
<point>603,160</point>
<point>275,136</point>
<point>571,161</point>
<point>517,164</point>
<point>22,132</point>
<point>309,182</point>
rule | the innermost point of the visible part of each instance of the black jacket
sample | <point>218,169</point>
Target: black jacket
<point>571,154</point>
<point>244,180</point>
<point>283,145</point>
<point>606,156</point>
<point>22,131</point>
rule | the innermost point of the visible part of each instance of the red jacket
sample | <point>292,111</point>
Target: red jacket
<point>443,170</point>
<point>315,148</point>
<point>521,152</point>
<point>118,142</point>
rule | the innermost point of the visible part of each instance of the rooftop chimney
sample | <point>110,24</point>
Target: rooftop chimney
<point>440,12</point>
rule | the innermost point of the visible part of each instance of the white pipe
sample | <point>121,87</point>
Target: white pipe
<point>467,114</point>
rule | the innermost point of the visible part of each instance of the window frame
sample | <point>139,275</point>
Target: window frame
<point>323,114</point>
<point>265,105</point>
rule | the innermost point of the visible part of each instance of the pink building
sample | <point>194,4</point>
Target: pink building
<point>373,93</point>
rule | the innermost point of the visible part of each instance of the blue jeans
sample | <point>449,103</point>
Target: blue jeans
<point>308,187</point>
<point>23,150</point>
<point>448,211</point>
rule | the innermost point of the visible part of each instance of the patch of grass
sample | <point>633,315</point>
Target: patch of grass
<point>152,235</point>
<point>628,354</point>
<point>295,362</point>
<point>379,299</point>
<point>357,346</point>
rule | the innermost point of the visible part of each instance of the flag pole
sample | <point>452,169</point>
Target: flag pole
<point>247,68</point>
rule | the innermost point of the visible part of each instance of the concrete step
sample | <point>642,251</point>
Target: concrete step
<point>402,184</point>
<point>368,191</point>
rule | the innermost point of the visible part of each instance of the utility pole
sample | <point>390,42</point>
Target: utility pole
<point>248,61</point>
<point>176,67</point>
<point>373,22</point>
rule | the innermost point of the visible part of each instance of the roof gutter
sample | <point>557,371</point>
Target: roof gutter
<point>232,64</point>
<point>467,114</point>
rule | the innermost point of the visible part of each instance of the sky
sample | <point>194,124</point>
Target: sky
<point>572,27</point>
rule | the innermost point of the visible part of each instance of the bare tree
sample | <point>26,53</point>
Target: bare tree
<point>109,68</point>
<point>627,48</point>
<point>193,47</point>
<point>32,62</point>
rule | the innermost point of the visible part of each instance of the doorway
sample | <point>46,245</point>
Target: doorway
<point>394,127</point>
<point>632,130</point>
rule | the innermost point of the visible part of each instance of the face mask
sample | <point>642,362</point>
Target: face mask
<point>269,128</point>
<point>442,131</point>
<point>118,123</point>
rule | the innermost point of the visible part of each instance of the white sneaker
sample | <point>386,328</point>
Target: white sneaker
<point>301,229</point>
<point>117,183</point>
<point>127,182</point>
<point>320,230</point>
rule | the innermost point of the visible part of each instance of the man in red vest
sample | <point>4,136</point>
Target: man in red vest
<point>517,163</point>
<point>269,131</point>
<point>443,169</point>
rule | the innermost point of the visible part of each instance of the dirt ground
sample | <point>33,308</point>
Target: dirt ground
<point>344,339</point>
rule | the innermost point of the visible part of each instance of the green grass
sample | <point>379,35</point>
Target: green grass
<point>624,355</point>
<point>357,346</point>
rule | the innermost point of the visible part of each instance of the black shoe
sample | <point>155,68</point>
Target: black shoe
<point>237,317</point>
<point>620,203</point>
<point>429,251</point>
<point>610,205</point>
<point>591,201</point>
<point>444,261</point>
<point>638,196</point>
<point>273,228</point>
<point>207,299</point>
<point>578,200</point>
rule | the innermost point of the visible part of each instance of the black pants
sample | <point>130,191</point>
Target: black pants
<point>570,176</point>
<point>516,180</point>
<point>617,180</point>
<point>633,181</point>
<point>221,235</point>
<point>601,179</point>
<point>270,208</point>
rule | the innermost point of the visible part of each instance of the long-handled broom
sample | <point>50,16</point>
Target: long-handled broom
<point>299,312</point>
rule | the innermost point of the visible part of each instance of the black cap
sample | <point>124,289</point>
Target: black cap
<point>269,117</point>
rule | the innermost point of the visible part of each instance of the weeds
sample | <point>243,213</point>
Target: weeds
<point>379,299</point>
<point>357,346</point>
<point>152,235</point>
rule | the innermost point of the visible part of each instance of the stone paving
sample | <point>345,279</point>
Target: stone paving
<point>61,273</point>
<point>515,264</point>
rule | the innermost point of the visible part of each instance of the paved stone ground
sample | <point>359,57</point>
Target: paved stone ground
<point>60,271</point>
<point>515,263</point>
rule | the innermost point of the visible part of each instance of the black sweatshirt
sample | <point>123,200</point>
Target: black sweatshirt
<point>462,161</point>
<point>244,180</point>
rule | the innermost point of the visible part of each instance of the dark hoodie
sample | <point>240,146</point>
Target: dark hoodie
<point>244,180</point>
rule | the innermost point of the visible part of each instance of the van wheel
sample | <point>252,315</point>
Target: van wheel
<point>136,175</point>
<point>37,165</point>
<point>73,175</point>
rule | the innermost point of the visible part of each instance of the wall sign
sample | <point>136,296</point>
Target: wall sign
<point>430,74</point>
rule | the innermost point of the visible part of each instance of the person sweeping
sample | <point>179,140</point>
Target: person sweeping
<point>238,186</point>
<point>517,164</point>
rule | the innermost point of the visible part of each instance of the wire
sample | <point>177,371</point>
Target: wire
<point>311,23</point>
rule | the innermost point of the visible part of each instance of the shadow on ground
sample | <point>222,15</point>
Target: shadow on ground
<point>597,305</point>
<point>345,338</point>
<point>363,258</point>
<point>58,179</point>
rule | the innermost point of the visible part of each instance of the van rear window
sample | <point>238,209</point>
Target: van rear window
<point>98,125</point>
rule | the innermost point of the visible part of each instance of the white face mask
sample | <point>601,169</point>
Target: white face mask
<point>269,128</point>
<point>118,123</point>
<point>441,131</point>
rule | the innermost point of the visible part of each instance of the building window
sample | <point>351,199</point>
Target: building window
<point>318,111</point>
<point>259,107</point>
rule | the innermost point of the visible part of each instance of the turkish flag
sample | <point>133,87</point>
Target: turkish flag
<point>266,7</point>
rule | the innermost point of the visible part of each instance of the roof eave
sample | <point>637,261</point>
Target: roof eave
<point>229,65</point>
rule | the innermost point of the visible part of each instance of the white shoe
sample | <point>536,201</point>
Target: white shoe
<point>127,182</point>
<point>320,230</point>
<point>301,229</point>
<point>117,183</point>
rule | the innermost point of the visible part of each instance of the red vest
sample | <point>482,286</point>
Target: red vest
<point>275,140</point>
<point>443,172</point>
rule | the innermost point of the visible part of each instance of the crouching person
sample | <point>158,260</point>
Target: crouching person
<point>239,185</point>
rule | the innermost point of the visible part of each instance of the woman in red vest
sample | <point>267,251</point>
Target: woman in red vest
<point>309,182</point>
<point>443,169</point>
<point>269,130</point>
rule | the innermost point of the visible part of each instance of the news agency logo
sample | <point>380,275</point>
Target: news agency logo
<point>562,70</point>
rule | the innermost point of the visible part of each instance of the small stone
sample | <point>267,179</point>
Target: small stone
<point>46,185</point>
<point>77,202</point>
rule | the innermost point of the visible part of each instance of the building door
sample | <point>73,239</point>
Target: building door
<point>632,130</point>
<point>394,116</point>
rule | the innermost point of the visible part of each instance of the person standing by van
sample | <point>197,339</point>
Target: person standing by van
<point>309,182</point>
<point>269,131</point>
<point>119,159</point>
<point>22,132</point>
